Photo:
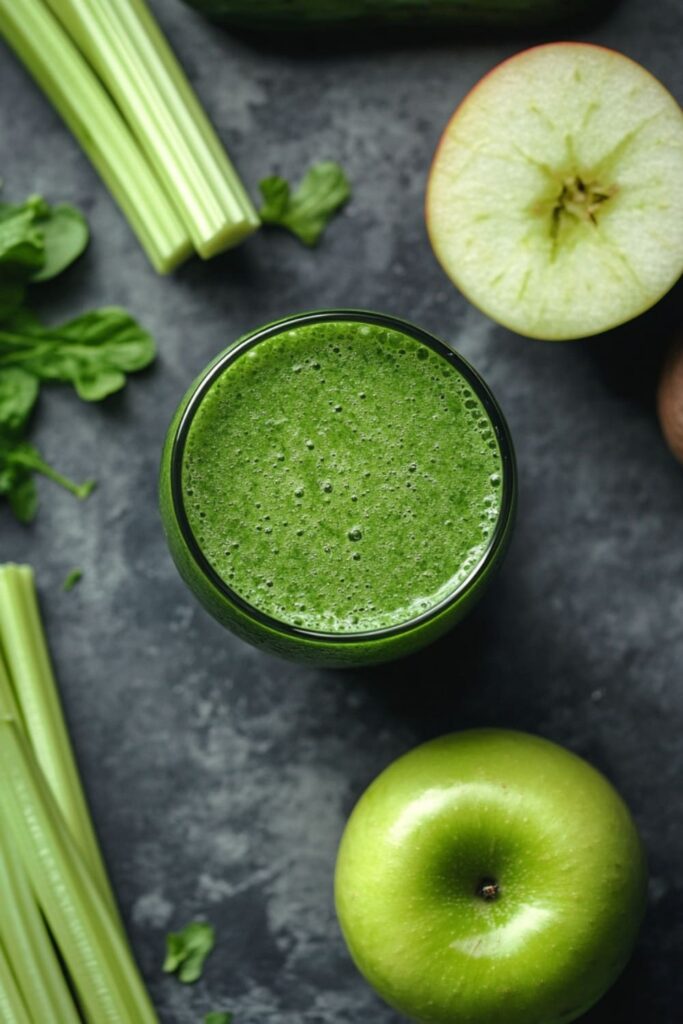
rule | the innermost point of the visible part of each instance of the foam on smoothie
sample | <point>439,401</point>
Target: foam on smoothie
<point>342,477</point>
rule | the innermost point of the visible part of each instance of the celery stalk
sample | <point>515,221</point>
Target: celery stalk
<point>61,71</point>
<point>22,927</point>
<point>182,101</point>
<point>30,670</point>
<point>12,1008</point>
<point>8,702</point>
<point>30,951</point>
<point>89,939</point>
<point>154,96</point>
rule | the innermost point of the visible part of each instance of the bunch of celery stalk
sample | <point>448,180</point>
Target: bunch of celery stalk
<point>108,70</point>
<point>63,952</point>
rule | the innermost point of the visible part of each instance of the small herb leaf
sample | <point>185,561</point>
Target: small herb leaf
<point>39,241</point>
<point>72,578</point>
<point>275,192</point>
<point>22,247</point>
<point>65,236</point>
<point>187,950</point>
<point>218,1018</point>
<point>307,211</point>
<point>18,394</point>
<point>23,497</point>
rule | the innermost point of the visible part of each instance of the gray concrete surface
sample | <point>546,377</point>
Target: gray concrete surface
<point>220,778</point>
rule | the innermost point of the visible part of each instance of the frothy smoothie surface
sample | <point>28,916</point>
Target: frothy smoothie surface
<point>342,477</point>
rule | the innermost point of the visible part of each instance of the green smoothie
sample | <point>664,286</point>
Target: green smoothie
<point>342,477</point>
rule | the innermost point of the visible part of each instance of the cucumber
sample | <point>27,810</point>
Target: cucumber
<point>271,15</point>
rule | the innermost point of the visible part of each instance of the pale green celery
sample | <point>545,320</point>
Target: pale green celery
<point>29,948</point>
<point>153,94</point>
<point>22,927</point>
<point>91,943</point>
<point>75,91</point>
<point>12,1008</point>
<point>27,658</point>
<point>182,101</point>
<point>8,702</point>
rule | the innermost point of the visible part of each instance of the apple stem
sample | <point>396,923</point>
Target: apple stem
<point>488,889</point>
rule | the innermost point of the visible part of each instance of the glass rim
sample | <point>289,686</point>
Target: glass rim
<point>482,391</point>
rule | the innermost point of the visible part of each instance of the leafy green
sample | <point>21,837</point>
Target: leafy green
<point>18,394</point>
<point>94,352</point>
<point>72,578</point>
<point>307,211</point>
<point>22,249</point>
<point>218,1018</point>
<point>39,241</point>
<point>65,236</point>
<point>187,950</point>
<point>19,460</point>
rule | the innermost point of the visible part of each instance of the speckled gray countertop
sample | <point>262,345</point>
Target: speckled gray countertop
<point>220,778</point>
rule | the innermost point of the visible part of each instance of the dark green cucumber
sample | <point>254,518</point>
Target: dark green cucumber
<point>270,15</point>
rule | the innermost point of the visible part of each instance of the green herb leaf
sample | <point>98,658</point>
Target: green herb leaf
<point>187,950</point>
<point>23,497</point>
<point>65,236</point>
<point>218,1018</point>
<point>18,394</point>
<point>19,460</point>
<point>307,211</point>
<point>22,247</point>
<point>72,578</point>
<point>94,352</point>
<point>38,241</point>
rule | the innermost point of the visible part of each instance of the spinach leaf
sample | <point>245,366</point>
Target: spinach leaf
<point>94,352</point>
<point>65,236</point>
<point>22,246</point>
<point>39,241</point>
<point>187,950</point>
<point>307,211</point>
<point>19,460</point>
<point>18,394</point>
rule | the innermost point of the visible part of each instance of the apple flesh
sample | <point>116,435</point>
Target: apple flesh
<point>555,199</point>
<point>490,877</point>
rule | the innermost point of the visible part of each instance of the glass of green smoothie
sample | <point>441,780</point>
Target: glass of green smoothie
<point>338,487</point>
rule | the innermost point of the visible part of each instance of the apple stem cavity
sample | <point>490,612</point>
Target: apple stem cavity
<point>488,890</point>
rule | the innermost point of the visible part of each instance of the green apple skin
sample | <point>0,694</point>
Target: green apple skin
<point>490,807</point>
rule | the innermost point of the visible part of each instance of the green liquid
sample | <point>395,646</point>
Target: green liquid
<point>342,477</point>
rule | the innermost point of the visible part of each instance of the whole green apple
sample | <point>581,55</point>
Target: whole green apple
<point>490,877</point>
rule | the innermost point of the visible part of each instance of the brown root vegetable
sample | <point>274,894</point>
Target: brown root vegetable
<point>670,398</point>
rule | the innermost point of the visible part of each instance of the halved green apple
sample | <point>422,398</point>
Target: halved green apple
<point>555,200</point>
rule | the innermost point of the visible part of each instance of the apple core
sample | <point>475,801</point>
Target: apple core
<point>555,199</point>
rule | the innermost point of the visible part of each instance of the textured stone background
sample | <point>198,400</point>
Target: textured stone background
<point>220,778</point>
